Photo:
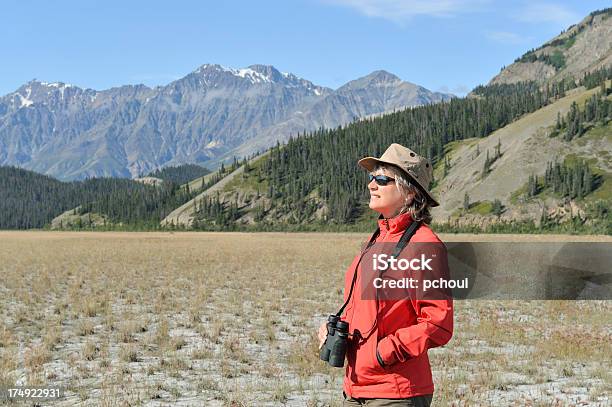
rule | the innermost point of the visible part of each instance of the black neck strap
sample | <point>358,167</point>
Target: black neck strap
<point>406,236</point>
<point>401,244</point>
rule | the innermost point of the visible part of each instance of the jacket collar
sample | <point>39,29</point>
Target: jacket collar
<point>396,224</point>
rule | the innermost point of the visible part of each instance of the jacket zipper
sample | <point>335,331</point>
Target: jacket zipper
<point>379,327</point>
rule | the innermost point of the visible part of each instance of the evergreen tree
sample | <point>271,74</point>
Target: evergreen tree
<point>487,166</point>
<point>497,207</point>
<point>446,165</point>
<point>498,149</point>
<point>532,185</point>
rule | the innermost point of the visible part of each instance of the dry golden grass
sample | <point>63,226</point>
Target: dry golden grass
<point>89,351</point>
<point>231,319</point>
<point>36,357</point>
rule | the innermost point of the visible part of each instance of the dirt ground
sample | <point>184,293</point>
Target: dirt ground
<point>231,319</point>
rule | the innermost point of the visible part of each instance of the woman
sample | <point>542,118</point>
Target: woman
<point>387,353</point>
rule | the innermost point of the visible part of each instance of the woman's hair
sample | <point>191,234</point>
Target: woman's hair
<point>419,207</point>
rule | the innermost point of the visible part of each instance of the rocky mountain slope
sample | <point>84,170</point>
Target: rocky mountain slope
<point>526,148</point>
<point>583,47</point>
<point>208,116</point>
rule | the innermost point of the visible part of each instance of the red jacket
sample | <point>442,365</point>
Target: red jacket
<point>406,329</point>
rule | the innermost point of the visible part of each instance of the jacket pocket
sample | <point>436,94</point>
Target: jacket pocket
<point>367,368</point>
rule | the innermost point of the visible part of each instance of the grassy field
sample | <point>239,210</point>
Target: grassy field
<point>231,319</point>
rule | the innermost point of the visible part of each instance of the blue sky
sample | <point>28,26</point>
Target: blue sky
<point>444,45</point>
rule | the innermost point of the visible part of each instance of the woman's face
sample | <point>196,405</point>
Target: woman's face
<point>386,200</point>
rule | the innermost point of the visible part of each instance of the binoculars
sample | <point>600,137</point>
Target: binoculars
<point>333,350</point>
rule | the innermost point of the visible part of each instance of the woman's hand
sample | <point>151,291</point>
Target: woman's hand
<point>322,334</point>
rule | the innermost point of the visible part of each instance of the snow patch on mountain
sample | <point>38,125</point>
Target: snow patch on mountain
<point>245,73</point>
<point>213,144</point>
<point>253,76</point>
<point>56,85</point>
<point>24,101</point>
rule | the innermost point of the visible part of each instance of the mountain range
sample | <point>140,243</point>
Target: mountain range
<point>206,117</point>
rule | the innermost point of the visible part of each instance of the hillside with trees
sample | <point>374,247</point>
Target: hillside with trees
<point>31,200</point>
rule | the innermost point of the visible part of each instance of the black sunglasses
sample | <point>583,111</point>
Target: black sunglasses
<point>381,180</point>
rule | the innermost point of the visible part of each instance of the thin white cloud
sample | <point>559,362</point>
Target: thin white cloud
<point>535,12</point>
<point>399,10</point>
<point>506,37</point>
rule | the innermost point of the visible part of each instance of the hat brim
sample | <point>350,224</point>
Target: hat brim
<point>369,163</point>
